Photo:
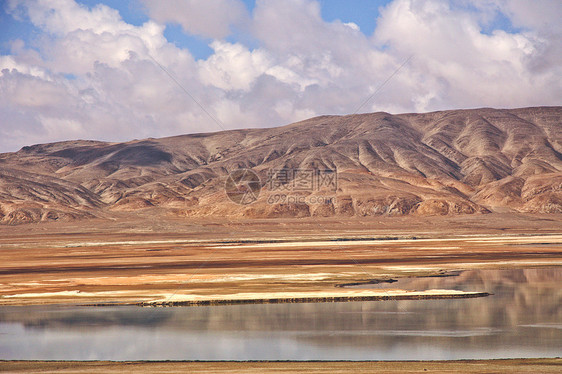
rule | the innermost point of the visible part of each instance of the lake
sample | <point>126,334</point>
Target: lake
<point>523,318</point>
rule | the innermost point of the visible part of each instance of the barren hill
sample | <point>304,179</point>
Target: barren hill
<point>449,162</point>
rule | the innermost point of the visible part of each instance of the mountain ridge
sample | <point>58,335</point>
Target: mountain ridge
<point>447,162</point>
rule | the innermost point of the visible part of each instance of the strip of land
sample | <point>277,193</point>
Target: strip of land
<point>312,297</point>
<point>542,365</point>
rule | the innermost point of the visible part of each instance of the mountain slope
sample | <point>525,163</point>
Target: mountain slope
<point>449,162</point>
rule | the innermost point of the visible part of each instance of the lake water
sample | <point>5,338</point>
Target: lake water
<point>522,319</point>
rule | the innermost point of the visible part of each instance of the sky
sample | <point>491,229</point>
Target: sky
<point>121,70</point>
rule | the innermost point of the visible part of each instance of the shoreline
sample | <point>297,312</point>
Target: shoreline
<point>519,365</point>
<point>325,299</point>
<point>292,298</point>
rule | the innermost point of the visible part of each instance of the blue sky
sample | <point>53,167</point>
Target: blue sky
<point>361,12</point>
<point>93,69</point>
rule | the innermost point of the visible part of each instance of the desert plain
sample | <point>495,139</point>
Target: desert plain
<point>140,260</point>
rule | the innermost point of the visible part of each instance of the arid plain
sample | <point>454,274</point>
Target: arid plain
<point>139,260</point>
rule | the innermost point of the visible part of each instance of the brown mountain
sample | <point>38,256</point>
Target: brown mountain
<point>449,162</point>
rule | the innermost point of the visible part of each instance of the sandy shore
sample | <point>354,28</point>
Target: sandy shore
<point>535,366</point>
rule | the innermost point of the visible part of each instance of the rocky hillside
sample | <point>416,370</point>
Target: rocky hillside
<point>449,162</point>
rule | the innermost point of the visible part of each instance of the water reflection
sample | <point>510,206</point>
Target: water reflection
<point>522,319</point>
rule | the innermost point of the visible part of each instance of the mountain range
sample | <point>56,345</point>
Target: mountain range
<point>472,161</point>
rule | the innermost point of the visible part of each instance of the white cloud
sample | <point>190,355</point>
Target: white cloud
<point>209,18</point>
<point>64,16</point>
<point>9,64</point>
<point>233,66</point>
<point>91,75</point>
<point>479,69</point>
<point>541,15</point>
<point>352,26</point>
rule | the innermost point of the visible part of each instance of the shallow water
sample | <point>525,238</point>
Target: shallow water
<point>522,319</point>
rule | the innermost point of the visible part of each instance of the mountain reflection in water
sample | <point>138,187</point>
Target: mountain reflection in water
<point>523,318</point>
